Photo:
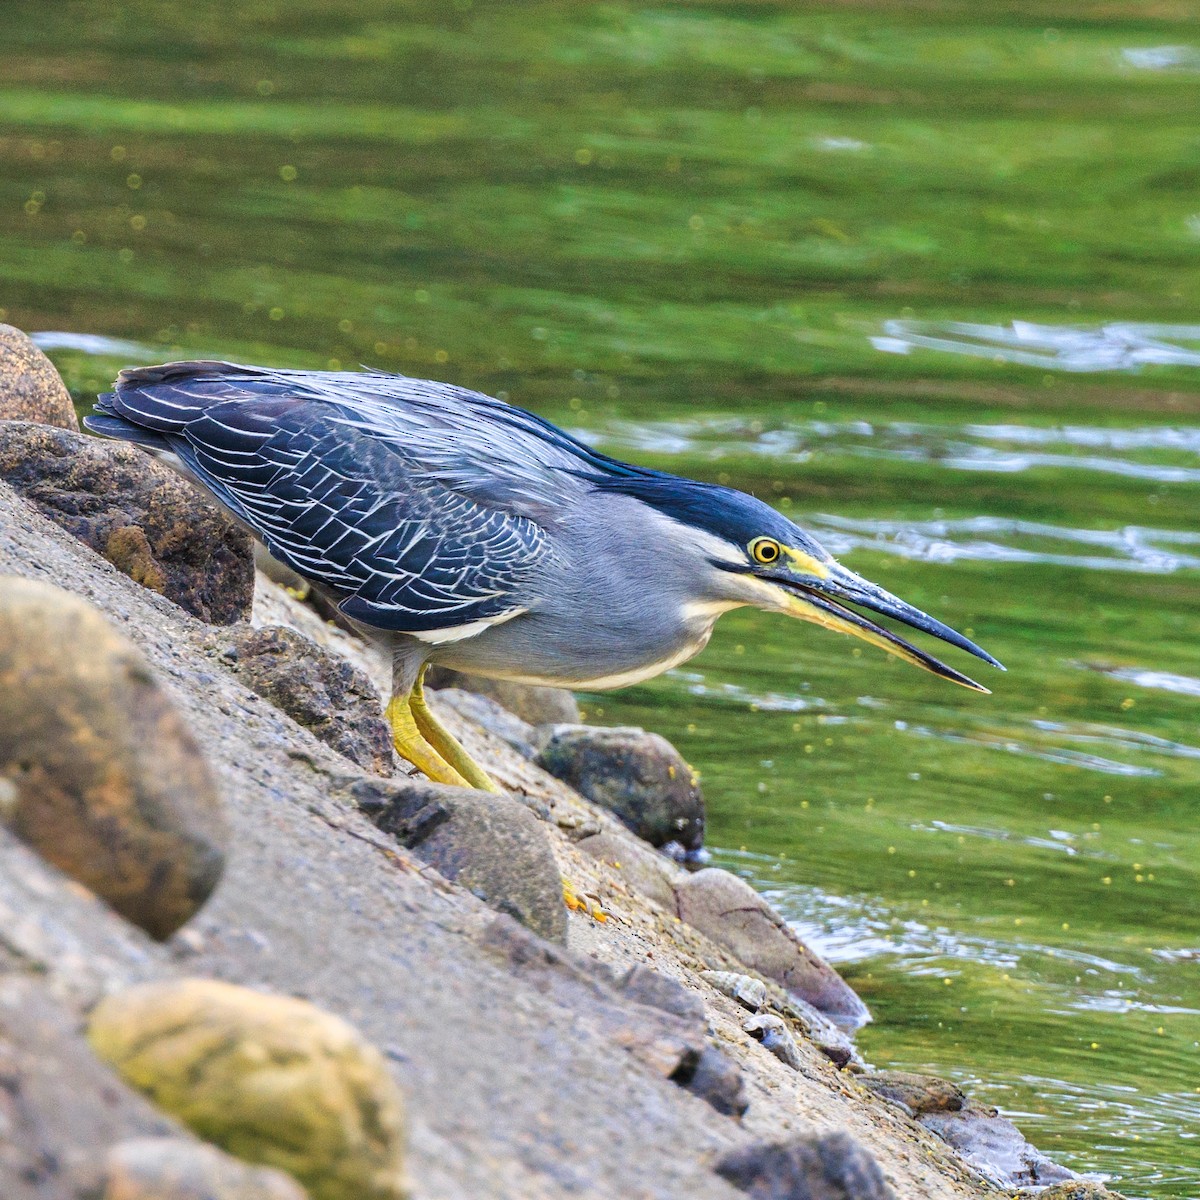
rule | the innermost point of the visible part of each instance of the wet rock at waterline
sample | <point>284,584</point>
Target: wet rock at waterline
<point>30,387</point>
<point>639,777</point>
<point>317,688</point>
<point>135,512</point>
<point>176,1169</point>
<point>994,1147</point>
<point>534,705</point>
<point>916,1094</point>
<point>271,1079</point>
<point>1079,1189</point>
<point>824,1033</point>
<point>817,1166</point>
<point>728,910</point>
<point>98,771</point>
<point>487,842</point>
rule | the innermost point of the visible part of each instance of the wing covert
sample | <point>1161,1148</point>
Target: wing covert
<point>398,549</point>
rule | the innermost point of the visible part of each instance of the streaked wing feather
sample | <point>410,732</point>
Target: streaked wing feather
<point>355,511</point>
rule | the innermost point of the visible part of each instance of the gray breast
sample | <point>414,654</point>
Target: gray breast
<point>626,593</point>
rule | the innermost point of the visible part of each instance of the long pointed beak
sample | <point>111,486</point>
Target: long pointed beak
<point>821,601</point>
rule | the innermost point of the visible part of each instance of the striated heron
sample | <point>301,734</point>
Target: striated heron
<point>460,530</point>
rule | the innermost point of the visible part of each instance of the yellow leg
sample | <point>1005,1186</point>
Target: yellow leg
<point>411,745</point>
<point>444,742</point>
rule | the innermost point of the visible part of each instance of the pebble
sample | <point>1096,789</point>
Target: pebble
<point>775,1036</point>
<point>749,992</point>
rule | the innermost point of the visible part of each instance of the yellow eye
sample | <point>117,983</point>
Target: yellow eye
<point>765,551</point>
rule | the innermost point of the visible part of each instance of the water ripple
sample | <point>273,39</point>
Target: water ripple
<point>1120,346</point>
<point>92,343</point>
<point>1133,548</point>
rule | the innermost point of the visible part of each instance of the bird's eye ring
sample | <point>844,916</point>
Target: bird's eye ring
<point>765,550</point>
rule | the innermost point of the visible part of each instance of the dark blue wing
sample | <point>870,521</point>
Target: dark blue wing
<point>396,547</point>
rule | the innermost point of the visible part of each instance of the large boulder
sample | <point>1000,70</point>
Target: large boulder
<point>269,1078</point>
<point>994,1146</point>
<point>638,776</point>
<point>137,513</point>
<point>98,771</point>
<point>728,910</point>
<point>30,387</point>
<point>317,688</point>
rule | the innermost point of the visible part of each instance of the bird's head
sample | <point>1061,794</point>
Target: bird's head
<point>747,553</point>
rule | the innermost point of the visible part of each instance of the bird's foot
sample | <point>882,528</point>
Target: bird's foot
<point>411,745</point>
<point>445,744</point>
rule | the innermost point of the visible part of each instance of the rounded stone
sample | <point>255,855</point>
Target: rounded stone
<point>729,911</point>
<point>170,1168</point>
<point>271,1079</point>
<point>317,688</point>
<point>638,776</point>
<point>30,387</point>
<point>100,774</point>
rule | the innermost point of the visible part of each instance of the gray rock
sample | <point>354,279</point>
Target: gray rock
<point>99,773</point>
<point>994,1147</point>
<point>647,1014</point>
<point>828,1037</point>
<point>816,1166</point>
<point>716,1080</point>
<point>734,915</point>
<point>917,1094</point>
<point>534,705</point>
<point>158,1168</point>
<point>318,689</point>
<point>486,842</point>
<point>30,387</point>
<point>135,512</point>
<point>775,1036</point>
<point>60,1108</point>
<point>644,985</point>
<point>638,776</point>
<point>646,872</point>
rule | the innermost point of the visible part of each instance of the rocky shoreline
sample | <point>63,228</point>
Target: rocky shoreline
<point>368,984</point>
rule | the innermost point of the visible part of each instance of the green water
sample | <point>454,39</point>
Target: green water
<point>678,228</point>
